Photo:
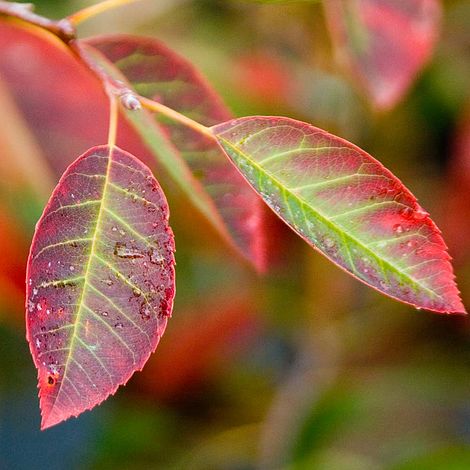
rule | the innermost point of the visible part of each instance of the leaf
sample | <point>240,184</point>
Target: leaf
<point>230,322</point>
<point>22,164</point>
<point>347,205</point>
<point>100,281</point>
<point>56,95</point>
<point>156,72</point>
<point>456,203</point>
<point>12,270</point>
<point>384,43</point>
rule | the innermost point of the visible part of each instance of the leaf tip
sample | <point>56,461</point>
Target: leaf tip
<point>50,419</point>
<point>455,307</point>
<point>459,309</point>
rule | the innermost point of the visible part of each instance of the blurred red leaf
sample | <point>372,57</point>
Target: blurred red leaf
<point>264,77</point>
<point>384,43</point>
<point>12,267</point>
<point>61,100</point>
<point>100,281</point>
<point>457,197</point>
<point>22,166</point>
<point>193,349</point>
<point>14,249</point>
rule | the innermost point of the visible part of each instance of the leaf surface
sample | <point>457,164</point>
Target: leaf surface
<point>347,205</point>
<point>158,73</point>
<point>100,281</point>
<point>384,43</point>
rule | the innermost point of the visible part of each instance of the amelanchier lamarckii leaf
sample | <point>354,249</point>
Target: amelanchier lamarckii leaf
<point>100,281</point>
<point>156,72</point>
<point>347,205</point>
<point>384,43</point>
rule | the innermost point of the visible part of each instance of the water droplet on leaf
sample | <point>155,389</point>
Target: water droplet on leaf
<point>145,311</point>
<point>329,242</point>
<point>123,251</point>
<point>397,228</point>
<point>383,285</point>
<point>420,214</point>
<point>155,256</point>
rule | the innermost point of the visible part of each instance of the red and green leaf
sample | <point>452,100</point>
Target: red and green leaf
<point>156,72</point>
<point>60,99</point>
<point>384,43</point>
<point>347,205</point>
<point>100,281</point>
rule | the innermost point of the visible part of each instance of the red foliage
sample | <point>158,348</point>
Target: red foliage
<point>457,198</point>
<point>100,281</point>
<point>12,268</point>
<point>202,339</point>
<point>263,77</point>
<point>384,43</point>
<point>61,100</point>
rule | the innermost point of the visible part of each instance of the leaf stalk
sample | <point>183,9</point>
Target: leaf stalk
<point>156,107</point>
<point>113,119</point>
<point>94,10</point>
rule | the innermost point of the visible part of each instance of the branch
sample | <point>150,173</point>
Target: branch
<point>63,29</point>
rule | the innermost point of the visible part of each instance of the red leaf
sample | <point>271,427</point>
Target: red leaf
<point>229,322</point>
<point>12,270</point>
<point>457,199</point>
<point>384,43</point>
<point>14,248</point>
<point>100,281</point>
<point>263,77</point>
<point>347,205</point>
<point>61,100</point>
<point>158,73</point>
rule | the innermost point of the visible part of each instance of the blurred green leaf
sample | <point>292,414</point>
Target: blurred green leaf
<point>447,458</point>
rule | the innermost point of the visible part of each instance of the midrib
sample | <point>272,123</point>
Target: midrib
<point>329,223</point>
<point>87,272</point>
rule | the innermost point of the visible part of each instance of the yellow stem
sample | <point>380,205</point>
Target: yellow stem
<point>113,120</point>
<point>93,10</point>
<point>156,107</point>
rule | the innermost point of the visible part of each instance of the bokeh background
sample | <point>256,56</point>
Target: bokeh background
<point>303,367</point>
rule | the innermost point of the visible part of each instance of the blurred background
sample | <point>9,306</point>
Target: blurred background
<point>303,367</point>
